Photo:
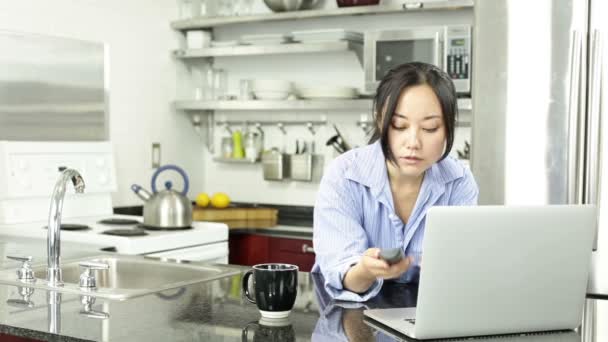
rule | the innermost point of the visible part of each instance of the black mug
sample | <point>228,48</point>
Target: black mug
<point>275,288</point>
<point>270,330</point>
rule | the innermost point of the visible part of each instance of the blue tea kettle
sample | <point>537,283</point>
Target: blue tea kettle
<point>167,208</point>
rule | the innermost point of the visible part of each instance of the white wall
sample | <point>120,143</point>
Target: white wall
<point>245,182</point>
<point>142,77</point>
<point>143,84</point>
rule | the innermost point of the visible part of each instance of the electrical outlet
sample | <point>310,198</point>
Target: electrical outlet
<point>155,155</point>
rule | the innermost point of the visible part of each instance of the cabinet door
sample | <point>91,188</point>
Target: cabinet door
<point>248,249</point>
<point>293,251</point>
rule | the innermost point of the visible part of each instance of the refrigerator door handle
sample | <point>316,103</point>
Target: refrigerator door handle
<point>439,56</point>
<point>594,132</point>
<point>575,128</point>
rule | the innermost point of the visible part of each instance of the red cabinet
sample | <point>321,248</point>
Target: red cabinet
<point>251,249</point>
<point>248,249</point>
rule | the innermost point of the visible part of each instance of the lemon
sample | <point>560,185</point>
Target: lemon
<point>202,199</point>
<point>220,200</point>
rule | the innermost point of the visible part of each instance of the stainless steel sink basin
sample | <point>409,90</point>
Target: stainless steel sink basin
<point>128,276</point>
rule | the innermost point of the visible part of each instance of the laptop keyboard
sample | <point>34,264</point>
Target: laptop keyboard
<point>410,320</point>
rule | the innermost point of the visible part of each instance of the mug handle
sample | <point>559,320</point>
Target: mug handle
<point>244,337</point>
<point>246,286</point>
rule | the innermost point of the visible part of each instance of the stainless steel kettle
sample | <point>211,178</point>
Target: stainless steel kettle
<point>166,209</point>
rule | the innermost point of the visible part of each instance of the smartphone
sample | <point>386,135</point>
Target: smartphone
<point>391,255</point>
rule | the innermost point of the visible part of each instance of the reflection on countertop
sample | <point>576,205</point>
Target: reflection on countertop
<point>213,311</point>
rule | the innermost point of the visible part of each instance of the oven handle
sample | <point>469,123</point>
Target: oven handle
<point>198,253</point>
<point>307,249</point>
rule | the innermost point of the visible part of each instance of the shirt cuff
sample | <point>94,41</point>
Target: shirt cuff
<point>335,288</point>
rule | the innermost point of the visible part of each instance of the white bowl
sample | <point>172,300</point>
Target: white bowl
<point>271,95</point>
<point>271,86</point>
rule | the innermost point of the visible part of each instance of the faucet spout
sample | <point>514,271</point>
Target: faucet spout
<point>53,275</point>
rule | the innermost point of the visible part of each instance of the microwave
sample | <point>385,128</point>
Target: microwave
<point>448,47</point>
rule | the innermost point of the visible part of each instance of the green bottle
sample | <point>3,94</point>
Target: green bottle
<point>237,145</point>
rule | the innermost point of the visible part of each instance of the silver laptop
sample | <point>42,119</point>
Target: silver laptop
<point>553,336</point>
<point>490,270</point>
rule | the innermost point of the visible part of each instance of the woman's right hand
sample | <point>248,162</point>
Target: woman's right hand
<point>372,264</point>
<point>370,267</point>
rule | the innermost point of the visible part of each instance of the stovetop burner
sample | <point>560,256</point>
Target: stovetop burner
<point>71,226</point>
<point>125,232</point>
<point>146,227</point>
<point>118,221</point>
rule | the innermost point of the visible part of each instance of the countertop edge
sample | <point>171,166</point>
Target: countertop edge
<point>37,335</point>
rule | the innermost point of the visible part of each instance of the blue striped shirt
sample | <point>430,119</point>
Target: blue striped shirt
<point>354,211</point>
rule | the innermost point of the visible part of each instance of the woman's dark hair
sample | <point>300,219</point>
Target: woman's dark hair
<point>392,86</point>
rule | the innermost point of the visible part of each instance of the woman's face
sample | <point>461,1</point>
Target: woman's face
<point>417,134</point>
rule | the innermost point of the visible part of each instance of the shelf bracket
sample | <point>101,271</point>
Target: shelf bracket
<point>357,48</point>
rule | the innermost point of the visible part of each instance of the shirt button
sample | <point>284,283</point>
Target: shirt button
<point>392,216</point>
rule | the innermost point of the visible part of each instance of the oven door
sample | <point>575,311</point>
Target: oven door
<point>212,253</point>
<point>386,49</point>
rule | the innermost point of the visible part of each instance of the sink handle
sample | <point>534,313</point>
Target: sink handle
<point>24,302</point>
<point>94,265</point>
<point>20,258</point>
<point>25,273</point>
<point>87,308</point>
<point>87,278</point>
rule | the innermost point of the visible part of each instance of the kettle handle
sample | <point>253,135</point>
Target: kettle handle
<point>175,168</point>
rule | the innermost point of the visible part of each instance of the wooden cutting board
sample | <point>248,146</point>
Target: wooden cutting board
<point>238,217</point>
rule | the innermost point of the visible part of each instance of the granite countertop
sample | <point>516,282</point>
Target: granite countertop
<point>283,231</point>
<point>209,311</point>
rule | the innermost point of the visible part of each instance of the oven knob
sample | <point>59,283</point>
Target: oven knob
<point>26,185</point>
<point>101,162</point>
<point>103,179</point>
<point>23,165</point>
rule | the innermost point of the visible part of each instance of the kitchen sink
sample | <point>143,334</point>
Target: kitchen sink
<point>128,276</point>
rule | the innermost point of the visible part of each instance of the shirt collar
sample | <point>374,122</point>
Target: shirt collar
<point>369,169</point>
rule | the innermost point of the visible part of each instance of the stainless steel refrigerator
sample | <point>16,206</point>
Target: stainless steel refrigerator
<point>540,101</point>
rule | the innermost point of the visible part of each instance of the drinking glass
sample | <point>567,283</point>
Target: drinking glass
<point>220,83</point>
<point>245,92</point>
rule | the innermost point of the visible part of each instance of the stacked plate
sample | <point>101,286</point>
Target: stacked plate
<point>326,92</point>
<point>329,35</point>
<point>265,39</point>
<point>223,43</point>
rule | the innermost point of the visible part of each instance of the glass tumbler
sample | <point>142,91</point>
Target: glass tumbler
<point>220,83</point>
<point>226,147</point>
<point>245,92</point>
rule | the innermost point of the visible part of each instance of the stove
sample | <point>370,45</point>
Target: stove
<point>28,172</point>
<point>202,233</point>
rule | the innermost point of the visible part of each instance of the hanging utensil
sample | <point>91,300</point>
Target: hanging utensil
<point>345,146</point>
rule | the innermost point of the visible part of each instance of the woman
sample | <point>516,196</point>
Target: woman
<point>377,196</point>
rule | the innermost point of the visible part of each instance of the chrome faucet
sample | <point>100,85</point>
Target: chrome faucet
<point>53,273</point>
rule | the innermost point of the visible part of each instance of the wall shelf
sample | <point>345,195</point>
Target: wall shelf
<point>464,105</point>
<point>210,22</point>
<point>235,161</point>
<point>276,49</point>
<point>199,109</point>
<point>324,104</point>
